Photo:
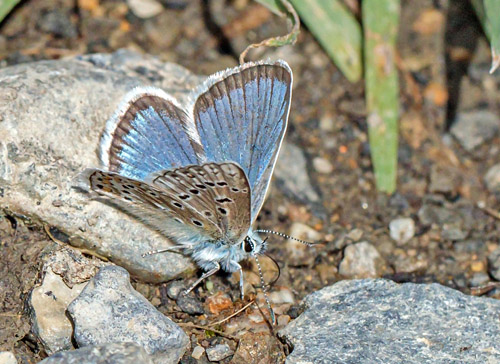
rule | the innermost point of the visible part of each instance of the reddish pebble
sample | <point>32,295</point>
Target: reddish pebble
<point>218,303</point>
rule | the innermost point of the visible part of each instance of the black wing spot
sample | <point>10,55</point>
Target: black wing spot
<point>126,192</point>
<point>194,191</point>
<point>210,184</point>
<point>129,186</point>
<point>177,204</point>
<point>223,200</point>
<point>222,210</point>
<point>184,197</point>
<point>207,213</point>
<point>234,189</point>
<point>127,198</point>
<point>99,186</point>
<point>152,193</point>
<point>222,184</point>
<point>197,223</point>
<point>201,186</point>
<point>245,190</point>
<point>99,178</point>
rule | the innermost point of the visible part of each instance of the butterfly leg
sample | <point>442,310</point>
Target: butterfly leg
<point>241,282</point>
<point>170,248</point>
<point>204,276</point>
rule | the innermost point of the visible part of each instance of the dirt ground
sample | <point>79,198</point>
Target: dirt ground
<point>443,68</point>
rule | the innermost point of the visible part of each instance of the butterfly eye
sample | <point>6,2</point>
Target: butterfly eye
<point>248,246</point>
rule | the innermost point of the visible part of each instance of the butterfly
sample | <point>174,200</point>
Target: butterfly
<point>199,172</point>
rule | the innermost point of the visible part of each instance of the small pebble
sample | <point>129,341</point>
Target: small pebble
<point>219,352</point>
<point>145,9</point>
<point>284,295</point>
<point>494,264</point>
<point>402,230</point>
<point>198,352</point>
<point>492,178</point>
<point>174,288</point>
<point>218,303</point>
<point>321,165</point>
<point>479,279</point>
<point>362,260</point>
<point>189,305</point>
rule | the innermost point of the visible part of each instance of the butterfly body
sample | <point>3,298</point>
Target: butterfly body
<point>199,173</point>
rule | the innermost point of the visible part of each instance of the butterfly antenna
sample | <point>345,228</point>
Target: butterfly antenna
<point>264,290</point>
<point>308,243</point>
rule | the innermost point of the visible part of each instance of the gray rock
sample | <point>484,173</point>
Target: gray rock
<point>379,321</point>
<point>189,304</point>
<point>479,279</point>
<point>52,114</point>
<point>116,353</point>
<point>58,23</point>
<point>110,310</point>
<point>6,357</point>
<point>474,128</point>
<point>174,288</point>
<point>492,178</point>
<point>48,304</point>
<point>454,222</point>
<point>494,264</point>
<point>219,352</point>
<point>362,260</point>
<point>296,184</point>
<point>444,180</point>
<point>402,230</point>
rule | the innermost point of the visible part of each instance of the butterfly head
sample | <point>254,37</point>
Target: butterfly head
<point>253,245</point>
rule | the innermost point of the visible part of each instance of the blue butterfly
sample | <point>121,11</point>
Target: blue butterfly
<point>199,172</point>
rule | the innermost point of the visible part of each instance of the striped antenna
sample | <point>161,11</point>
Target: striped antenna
<point>264,290</point>
<point>285,236</point>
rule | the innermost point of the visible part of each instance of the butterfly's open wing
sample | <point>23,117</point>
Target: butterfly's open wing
<point>190,204</point>
<point>149,132</point>
<point>241,115</point>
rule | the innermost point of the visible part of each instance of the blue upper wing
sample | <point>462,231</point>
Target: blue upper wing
<point>149,132</point>
<point>241,115</point>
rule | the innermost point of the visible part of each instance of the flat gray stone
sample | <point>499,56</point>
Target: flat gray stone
<point>379,321</point>
<point>474,128</point>
<point>362,260</point>
<point>116,353</point>
<point>109,310</point>
<point>295,184</point>
<point>52,114</point>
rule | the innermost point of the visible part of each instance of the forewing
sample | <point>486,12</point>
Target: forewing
<point>162,208</point>
<point>241,115</point>
<point>149,132</point>
<point>218,191</point>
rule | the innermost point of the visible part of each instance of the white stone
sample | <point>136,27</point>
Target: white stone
<point>145,9</point>
<point>321,165</point>
<point>492,178</point>
<point>402,229</point>
<point>49,302</point>
<point>198,352</point>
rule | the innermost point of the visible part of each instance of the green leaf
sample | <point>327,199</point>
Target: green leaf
<point>6,6</point>
<point>381,21</point>
<point>336,30</point>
